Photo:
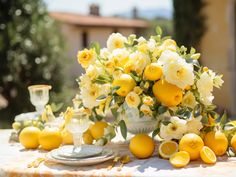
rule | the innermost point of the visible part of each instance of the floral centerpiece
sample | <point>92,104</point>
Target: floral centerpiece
<point>147,80</point>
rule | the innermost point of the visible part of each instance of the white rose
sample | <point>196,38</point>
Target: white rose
<point>115,41</point>
<point>132,99</point>
<point>104,53</point>
<point>139,61</point>
<point>194,125</point>
<point>168,56</point>
<point>179,73</point>
<point>151,45</point>
<point>174,130</point>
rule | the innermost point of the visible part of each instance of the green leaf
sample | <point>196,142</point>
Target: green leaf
<point>96,46</point>
<point>197,110</point>
<point>204,120</point>
<point>159,30</point>
<point>114,112</point>
<point>223,119</point>
<point>162,109</point>
<point>155,132</point>
<point>192,50</point>
<point>101,97</point>
<point>114,89</point>
<point>123,128</point>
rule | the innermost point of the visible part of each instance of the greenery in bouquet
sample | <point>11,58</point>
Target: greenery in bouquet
<point>137,78</point>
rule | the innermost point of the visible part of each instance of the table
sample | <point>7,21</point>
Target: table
<point>14,160</point>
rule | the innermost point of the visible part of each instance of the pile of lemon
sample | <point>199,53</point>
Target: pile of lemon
<point>51,138</point>
<point>190,147</point>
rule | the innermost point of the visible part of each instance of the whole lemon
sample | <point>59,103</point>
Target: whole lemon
<point>168,94</point>
<point>153,72</point>
<point>87,137</point>
<point>141,146</point>
<point>29,137</point>
<point>97,129</point>
<point>191,143</point>
<point>50,138</point>
<point>126,84</point>
<point>233,142</point>
<point>217,141</point>
<point>67,137</point>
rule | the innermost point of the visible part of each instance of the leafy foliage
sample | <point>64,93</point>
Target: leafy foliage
<point>31,52</point>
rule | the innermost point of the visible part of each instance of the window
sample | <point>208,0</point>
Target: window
<point>84,39</point>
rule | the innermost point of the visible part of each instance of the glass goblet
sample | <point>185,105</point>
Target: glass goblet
<point>77,126</point>
<point>39,96</point>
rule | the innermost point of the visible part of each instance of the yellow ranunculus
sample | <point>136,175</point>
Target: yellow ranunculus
<point>132,99</point>
<point>86,57</point>
<point>146,110</point>
<point>148,100</point>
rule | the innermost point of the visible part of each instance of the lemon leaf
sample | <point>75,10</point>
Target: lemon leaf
<point>159,30</point>
<point>155,132</point>
<point>123,128</point>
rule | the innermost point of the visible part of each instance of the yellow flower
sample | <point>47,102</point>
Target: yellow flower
<point>143,48</point>
<point>92,72</point>
<point>148,100</point>
<point>86,57</point>
<point>110,66</point>
<point>146,110</point>
<point>68,114</point>
<point>138,90</point>
<point>169,44</point>
<point>120,57</point>
<point>139,61</point>
<point>189,100</point>
<point>115,41</point>
<point>132,99</point>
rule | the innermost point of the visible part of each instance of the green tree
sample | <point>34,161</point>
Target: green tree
<point>189,21</point>
<point>31,52</point>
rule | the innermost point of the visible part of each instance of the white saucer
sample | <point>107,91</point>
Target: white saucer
<point>107,154</point>
<point>85,151</point>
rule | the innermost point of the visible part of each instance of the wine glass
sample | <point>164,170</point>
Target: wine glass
<point>39,96</point>
<point>77,125</point>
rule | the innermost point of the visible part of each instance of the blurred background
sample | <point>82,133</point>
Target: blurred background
<point>39,41</point>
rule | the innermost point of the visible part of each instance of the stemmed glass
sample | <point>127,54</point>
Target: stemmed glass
<point>39,96</point>
<point>77,125</point>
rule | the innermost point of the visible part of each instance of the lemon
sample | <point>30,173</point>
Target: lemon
<point>167,149</point>
<point>126,84</point>
<point>233,142</point>
<point>180,159</point>
<point>29,137</point>
<point>67,137</point>
<point>87,137</point>
<point>191,143</point>
<point>207,155</point>
<point>217,141</point>
<point>153,72</point>
<point>97,129</point>
<point>50,138</point>
<point>141,146</point>
<point>167,94</point>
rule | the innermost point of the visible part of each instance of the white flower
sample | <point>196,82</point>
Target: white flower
<point>168,56</point>
<point>205,88</point>
<point>146,110</point>
<point>151,45</point>
<point>178,72</point>
<point>104,53</point>
<point>141,39</point>
<point>132,99</point>
<point>92,72</point>
<point>189,100</point>
<point>174,130</point>
<point>85,81</point>
<point>217,79</point>
<point>90,94</point>
<point>194,125</point>
<point>139,61</point>
<point>115,41</point>
<point>120,57</point>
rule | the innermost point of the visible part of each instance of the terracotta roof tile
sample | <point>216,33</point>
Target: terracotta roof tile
<point>98,21</point>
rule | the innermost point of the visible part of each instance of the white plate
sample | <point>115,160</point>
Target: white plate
<point>80,162</point>
<point>86,151</point>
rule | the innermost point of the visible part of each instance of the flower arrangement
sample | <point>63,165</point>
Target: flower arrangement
<point>148,79</point>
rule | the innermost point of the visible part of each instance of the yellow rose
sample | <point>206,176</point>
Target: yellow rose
<point>132,99</point>
<point>138,90</point>
<point>86,57</point>
<point>146,110</point>
<point>148,100</point>
<point>169,44</point>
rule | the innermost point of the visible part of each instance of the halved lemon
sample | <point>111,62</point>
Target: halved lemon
<point>207,155</point>
<point>167,149</point>
<point>180,159</point>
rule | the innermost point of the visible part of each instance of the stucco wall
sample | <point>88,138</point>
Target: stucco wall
<point>215,48</point>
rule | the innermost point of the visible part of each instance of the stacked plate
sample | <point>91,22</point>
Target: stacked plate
<point>86,155</point>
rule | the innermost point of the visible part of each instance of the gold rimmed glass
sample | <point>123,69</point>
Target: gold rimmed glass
<point>39,96</point>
